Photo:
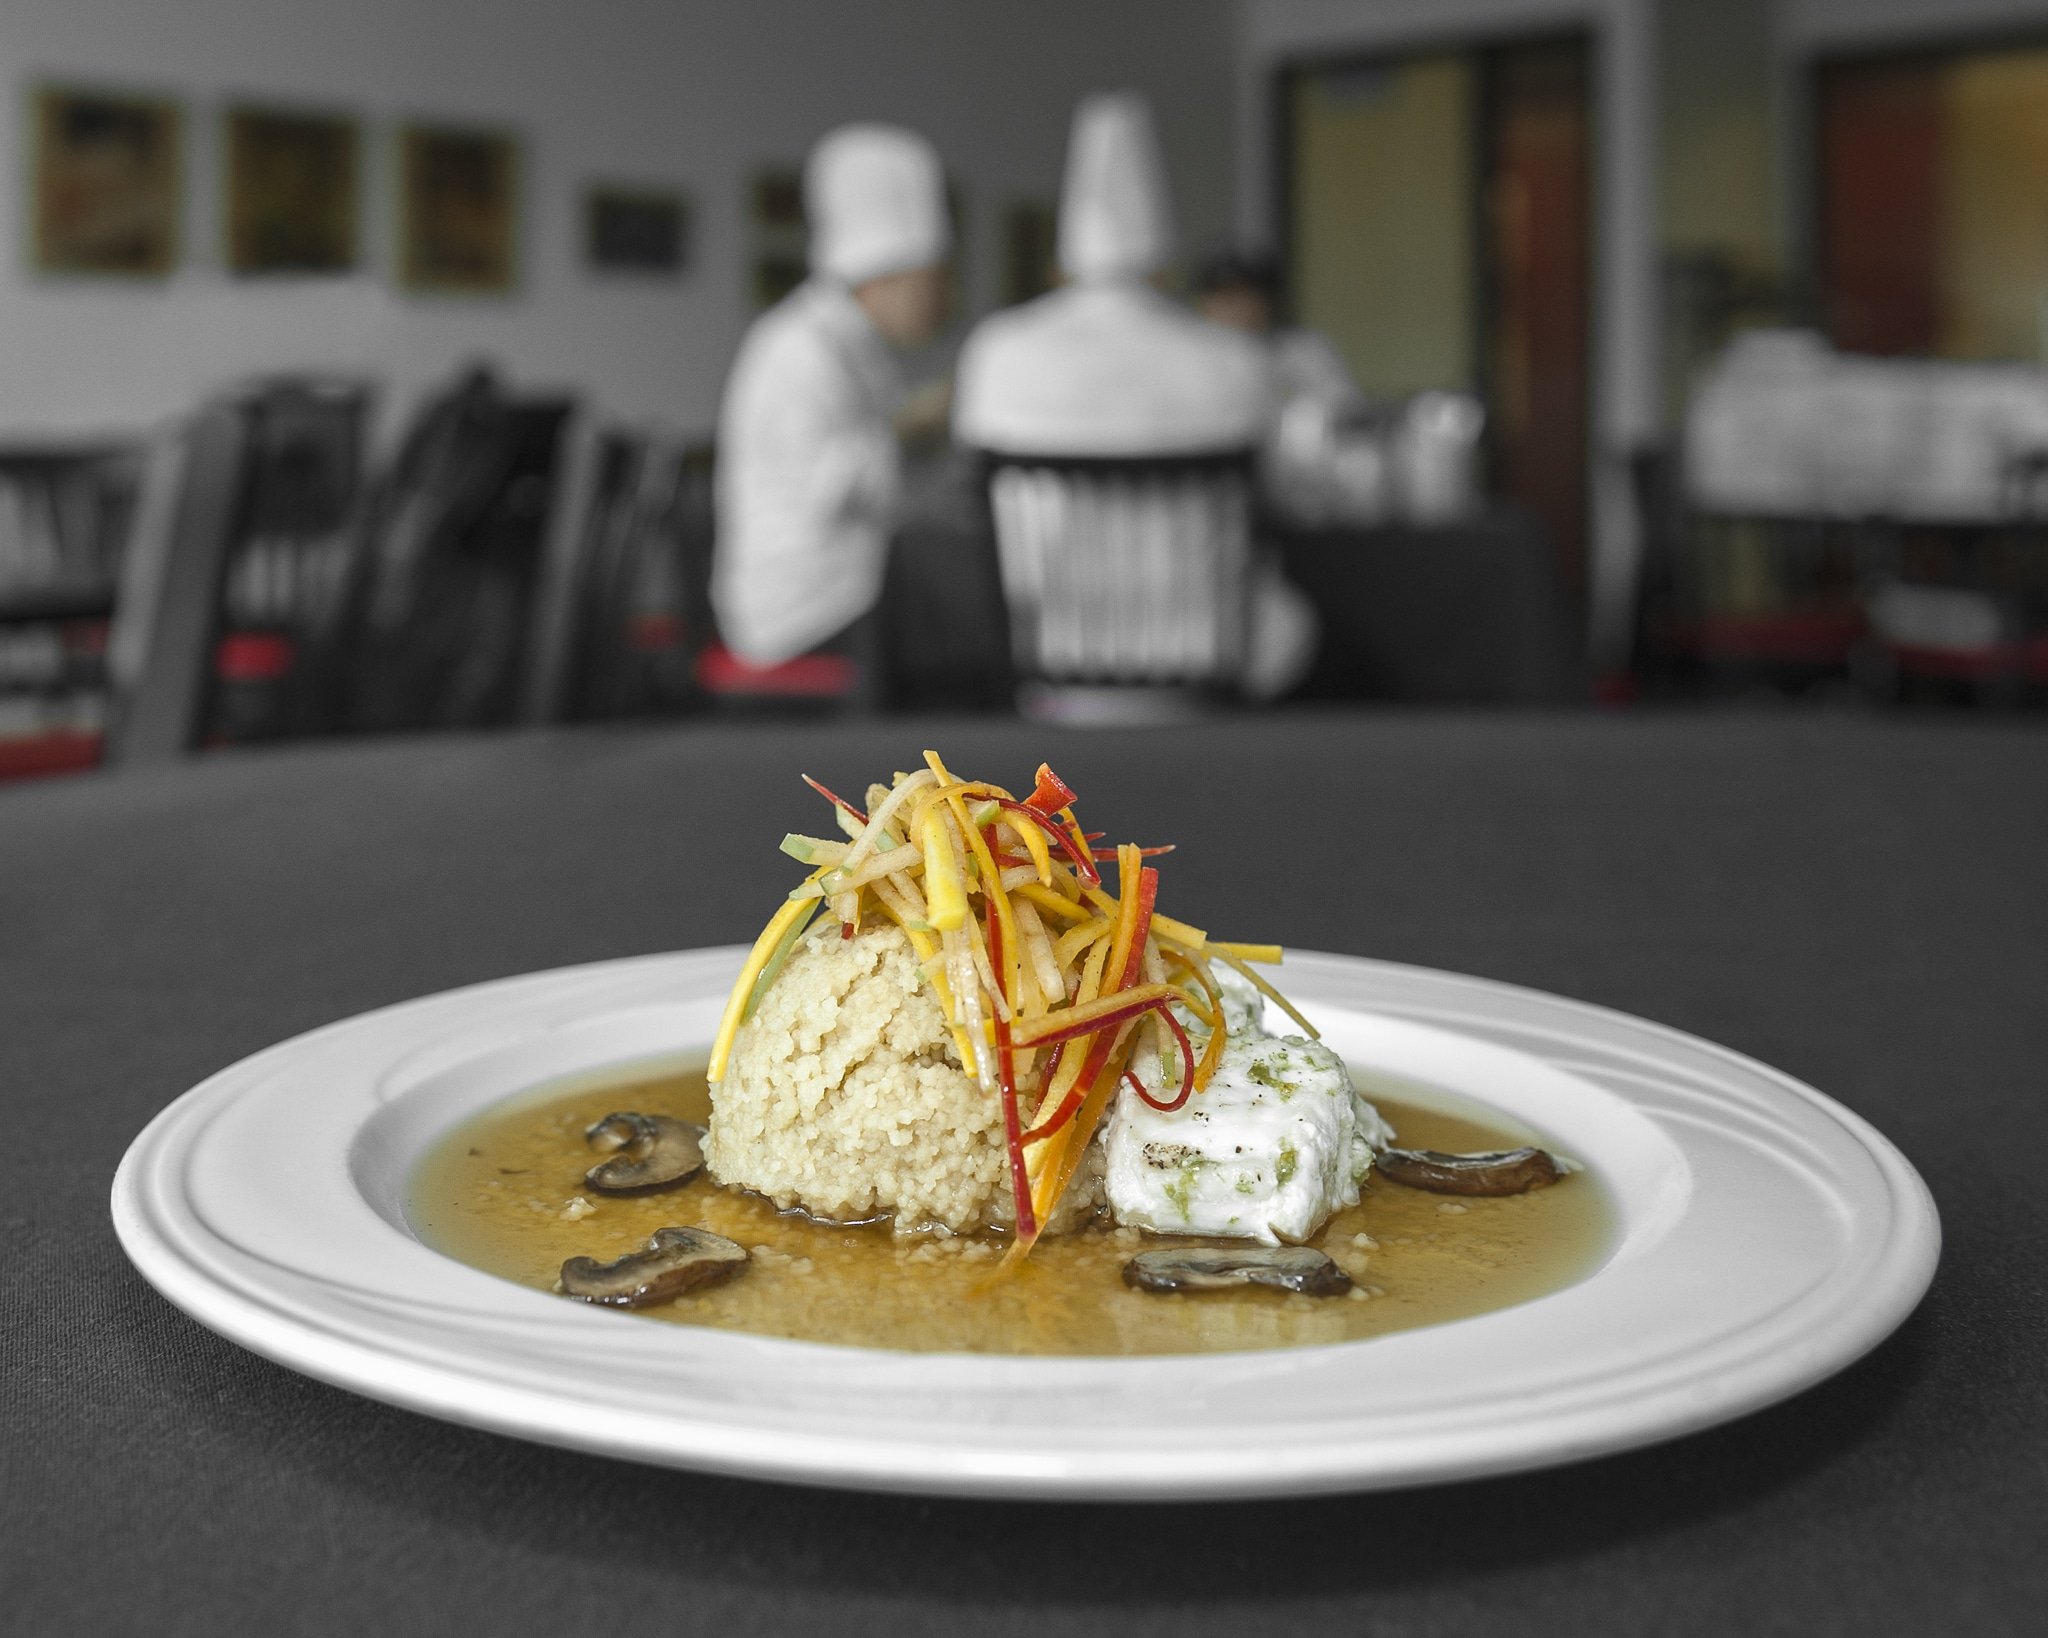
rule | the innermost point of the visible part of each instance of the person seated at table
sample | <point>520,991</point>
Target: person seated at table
<point>809,465</point>
<point>1241,289</point>
<point>1324,455</point>
<point>1107,365</point>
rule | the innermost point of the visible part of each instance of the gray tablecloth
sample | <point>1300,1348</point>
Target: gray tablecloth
<point>1860,903</point>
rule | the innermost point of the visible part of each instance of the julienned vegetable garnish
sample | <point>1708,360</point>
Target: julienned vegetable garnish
<point>1051,984</point>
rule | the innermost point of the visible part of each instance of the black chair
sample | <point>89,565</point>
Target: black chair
<point>637,610</point>
<point>1124,578</point>
<point>443,613</point>
<point>234,585</point>
<point>65,512</point>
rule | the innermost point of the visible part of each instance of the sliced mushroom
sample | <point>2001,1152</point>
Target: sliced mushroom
<point>651,1152</point>
<point>1210,1268</point>
<point>676,1260</point>
<point>1503,1171</point>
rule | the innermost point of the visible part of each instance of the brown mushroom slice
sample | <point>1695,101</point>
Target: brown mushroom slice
<point>1502,1171</point>
<point>676,1260</point>
<point>1214,1268</point>
<point>650,1152</point>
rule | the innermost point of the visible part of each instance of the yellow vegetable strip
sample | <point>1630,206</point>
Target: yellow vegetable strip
<point>968,1011</point>
<point>1210,1010</point>
<point>945,890</point>
<point>1051,899</point>
<point>1057,1170</point>
<point>1071,1063</point>
<point>1044,964</point>
<point>909,915</point>
<point>998,900</point>
<point>987,974</point>
<point>1270,993</point>
<point>813,850</point>
<point>878,821</point>
<point>875,865</point>
<point>1164,926</point>
<point>743,987</point>
<point>1129,861</point>
<point>777,959</point>
<point>1047,1163</point>
<point>1104,1006</point>
<point>1269,954</point>
<point>1212,1054</point>
<point>1092,1110</point>
<point>1076,939</point>
<point>1034,843</point>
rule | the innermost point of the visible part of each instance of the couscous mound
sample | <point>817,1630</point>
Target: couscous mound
<point>844,1096</point>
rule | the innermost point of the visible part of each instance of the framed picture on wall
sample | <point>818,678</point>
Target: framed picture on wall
<point>108,175</point>
<point>458,204</point>
<point>292,191</point>
<point>776,209</point>
<point>636,230</point>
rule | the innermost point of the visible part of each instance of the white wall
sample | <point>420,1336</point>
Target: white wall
<point>1626,408</point>
<point>689,92</point>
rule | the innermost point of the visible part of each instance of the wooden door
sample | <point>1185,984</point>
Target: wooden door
<point>1536,273</point>
<point>1436,220</point>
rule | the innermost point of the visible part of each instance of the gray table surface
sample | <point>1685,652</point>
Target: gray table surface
<point>1860,903</point>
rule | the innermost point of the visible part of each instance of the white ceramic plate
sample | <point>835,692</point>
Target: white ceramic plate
<point>1767,1238</point>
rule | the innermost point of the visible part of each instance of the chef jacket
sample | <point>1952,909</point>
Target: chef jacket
<point>809,473</point>
<point>1110,368</point>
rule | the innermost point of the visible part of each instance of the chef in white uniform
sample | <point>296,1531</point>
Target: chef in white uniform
<point>809,467</point>
<point>1107,365</point>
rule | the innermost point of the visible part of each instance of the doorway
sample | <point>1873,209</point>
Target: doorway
<point>1436,224</point>
<point>1933,177</point>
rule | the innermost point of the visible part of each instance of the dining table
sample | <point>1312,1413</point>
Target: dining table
<point>1858,899</point>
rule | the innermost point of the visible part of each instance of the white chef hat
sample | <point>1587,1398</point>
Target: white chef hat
<point>876,199</point>
<point>1116,220</point>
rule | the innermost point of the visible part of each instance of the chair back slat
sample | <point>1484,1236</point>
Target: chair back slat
<point>1125,571</point>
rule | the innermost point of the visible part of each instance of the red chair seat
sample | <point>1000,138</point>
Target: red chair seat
<point>254,657</point>
<point>809,676</point>
<point>1819,635</point>
<point>36,755</point>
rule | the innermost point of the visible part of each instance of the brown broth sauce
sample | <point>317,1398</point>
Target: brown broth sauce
<point>494,1191</point>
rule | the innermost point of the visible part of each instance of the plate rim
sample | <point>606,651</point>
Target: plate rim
<point>1906,1261</point>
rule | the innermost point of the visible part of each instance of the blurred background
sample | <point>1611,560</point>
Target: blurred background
<point>361,367</point>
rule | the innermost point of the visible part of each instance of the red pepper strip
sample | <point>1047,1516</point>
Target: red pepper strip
<point>1091,1066</point>
<point>1104,1025</point>
<point>1006,1078</point>
<point>1187,1068</point>
<point>1058,1118</point>
<point>1086,863</point>
<point>834,798</point>
<point>1084,867</point>
<point>1044,1031</point>
<point>1051,792</point>
<point>1144,852</point>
